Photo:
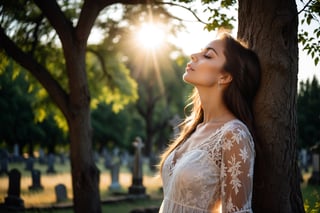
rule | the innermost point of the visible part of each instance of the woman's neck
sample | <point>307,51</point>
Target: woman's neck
<point>214,108</point>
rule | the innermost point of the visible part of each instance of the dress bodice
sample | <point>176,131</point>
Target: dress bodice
<point>214,176</point>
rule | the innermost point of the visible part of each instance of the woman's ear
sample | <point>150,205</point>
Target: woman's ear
<point>225,78</point>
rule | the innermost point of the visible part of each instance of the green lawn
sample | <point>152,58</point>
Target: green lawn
<point>311,198</point>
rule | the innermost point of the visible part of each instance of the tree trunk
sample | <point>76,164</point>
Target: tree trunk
<point>85,175</point>
<point>270,28</point>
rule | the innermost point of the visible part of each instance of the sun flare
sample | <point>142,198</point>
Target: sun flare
<point>150,36</point>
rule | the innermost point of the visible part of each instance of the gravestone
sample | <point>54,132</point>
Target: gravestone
<point>315,177</point>
<point>36,180</point>
<point>137,187</point>
<point>51,161</point>
<point>4,161</point>
<point>107,158</point>
<point>304,160</point>
<point>61,192</point>
<point>125,158</point>
<point>16,153</point>
<point>115,170</point>
<point>63,158</point>
<point>13,199</point>
<point>29,164</point>
<point>42,157</point>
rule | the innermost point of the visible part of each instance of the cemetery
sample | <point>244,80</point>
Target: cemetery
<point>45,184</point>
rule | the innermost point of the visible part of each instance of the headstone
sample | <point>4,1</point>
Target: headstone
<point>36,180</point>
<point>51,161</point>
<point>61,192</point>
<point>13,199</point>
<point>16,153</point>
<point>107,158</point>
<point>315,177</point>
<point>4,161</point>
<point>137,187</point>
<point>42,157</point>
<point>125,158</point>
<point>63,158</point>
<point>304,160</point>
<point>115,170</point>
<point>29,164</point>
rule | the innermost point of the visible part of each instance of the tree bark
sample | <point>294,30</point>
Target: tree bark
<point>270,28</point>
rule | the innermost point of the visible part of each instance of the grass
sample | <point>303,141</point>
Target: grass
<point>311,195</point>
<point>46,198</point>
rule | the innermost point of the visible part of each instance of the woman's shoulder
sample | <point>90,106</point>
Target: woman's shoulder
<point>235,125</point>
<point>236,129</point>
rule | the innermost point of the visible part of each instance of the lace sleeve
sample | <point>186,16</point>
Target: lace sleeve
<point>237,171</point>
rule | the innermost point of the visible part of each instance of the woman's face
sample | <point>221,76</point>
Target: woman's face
<point>206,67</point>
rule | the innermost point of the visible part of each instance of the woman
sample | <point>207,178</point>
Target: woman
<point>209,167</point>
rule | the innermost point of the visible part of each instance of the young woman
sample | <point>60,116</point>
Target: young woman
<point>209,167</point>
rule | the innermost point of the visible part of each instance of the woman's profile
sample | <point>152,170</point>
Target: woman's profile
<point>209,166</point>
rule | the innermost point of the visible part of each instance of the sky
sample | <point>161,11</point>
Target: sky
<point>195,38</point>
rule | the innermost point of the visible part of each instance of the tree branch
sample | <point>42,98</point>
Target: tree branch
<point>57,19</point>
<point>58,95</point>
<point>305,6</point>
<point>88,15</point>
<point>35,34</point>
<point>102,62</point>
<point>186,8</point>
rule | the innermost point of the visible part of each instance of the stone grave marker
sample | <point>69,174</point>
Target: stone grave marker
<point>51,161</point>
<point>13,199</point>
<point>61,192</point>
<point>16,153</point>
<point>137,187</point>
<point>115,170</point>
<point>107,158</point>
<point>4,161</point>
<point>315,177</point>
<point>42,157</point>
<point>36,180</point>
<point>29,164</point>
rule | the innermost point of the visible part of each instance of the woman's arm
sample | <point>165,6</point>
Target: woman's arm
<point>237,170</point>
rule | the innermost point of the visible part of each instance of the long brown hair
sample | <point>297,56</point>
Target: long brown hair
<point>244,66</point>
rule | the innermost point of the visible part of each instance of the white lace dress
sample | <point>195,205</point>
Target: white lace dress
<point>216,176</point>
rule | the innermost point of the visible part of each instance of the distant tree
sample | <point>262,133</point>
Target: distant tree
<point>308,112</point>
<point>17,124</point>
<point>110,128</point>
<point>53,135</point>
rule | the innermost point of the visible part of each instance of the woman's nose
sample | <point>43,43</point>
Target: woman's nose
<point>193,57</point>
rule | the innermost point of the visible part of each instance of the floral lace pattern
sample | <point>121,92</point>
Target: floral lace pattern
<point>215,177</point>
